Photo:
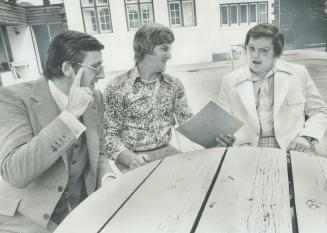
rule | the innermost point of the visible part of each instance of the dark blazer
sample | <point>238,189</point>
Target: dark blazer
<point>33,145</point>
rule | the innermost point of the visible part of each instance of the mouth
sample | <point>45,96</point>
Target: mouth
<point>256,62</point>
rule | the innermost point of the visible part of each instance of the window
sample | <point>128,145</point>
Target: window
<point>181,13</point>
<point>96,16</point>
<point>233,14</point>
<point>243,13</point>
<point>253,13</point>
<point>262,12</point>
<point>224,15</point>
<point>138,13</point>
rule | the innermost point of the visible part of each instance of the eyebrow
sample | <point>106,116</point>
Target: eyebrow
<point>262,47</point>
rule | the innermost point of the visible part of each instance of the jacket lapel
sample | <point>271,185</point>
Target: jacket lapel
<point>244,87</point>
<point>90,119</point>
<point>282,80</point>
<point>45,106</point>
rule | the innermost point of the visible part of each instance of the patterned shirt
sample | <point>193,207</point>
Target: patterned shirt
<point>140,116</point>
<point>264,96</point>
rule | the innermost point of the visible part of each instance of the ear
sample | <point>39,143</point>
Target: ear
<point>67,69</point>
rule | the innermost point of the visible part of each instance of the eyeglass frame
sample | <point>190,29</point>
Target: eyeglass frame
<point>98,69</point>
<point>264,50</point>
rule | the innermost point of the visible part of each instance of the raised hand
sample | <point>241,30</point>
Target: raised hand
<point>79,97</point>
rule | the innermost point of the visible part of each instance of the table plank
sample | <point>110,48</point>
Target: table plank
<point>171,197</point>
<point>93,213</point>
<point>251,194</point>
<point>310,188</point>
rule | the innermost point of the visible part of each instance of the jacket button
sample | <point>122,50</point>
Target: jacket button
<point>46,216</point>
<point>60,189</point>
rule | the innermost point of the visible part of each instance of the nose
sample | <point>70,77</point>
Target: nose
<point>168,55</point>
<point>101,75</point>
<point>256,53</point>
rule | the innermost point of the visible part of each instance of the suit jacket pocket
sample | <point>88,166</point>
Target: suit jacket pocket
<point>295,98</point>
<point>8,205</point>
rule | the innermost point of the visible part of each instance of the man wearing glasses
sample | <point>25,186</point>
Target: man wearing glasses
<point>277,101</point>
<point>51,138</point>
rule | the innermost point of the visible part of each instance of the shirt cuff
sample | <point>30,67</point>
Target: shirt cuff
<point>72,123</point>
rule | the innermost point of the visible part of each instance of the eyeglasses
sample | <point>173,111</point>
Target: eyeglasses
<point>260,50</point>
<point>97,69</point>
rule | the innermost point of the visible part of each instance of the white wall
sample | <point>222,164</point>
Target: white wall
<point>194,44</point>
<point>22,47</point>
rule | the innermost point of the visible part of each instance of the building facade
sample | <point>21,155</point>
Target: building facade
<point>203,29</point>
<point>25,33</point>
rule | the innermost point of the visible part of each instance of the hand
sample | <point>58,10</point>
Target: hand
<point>300,144</point>
<point>139,160</point>
<point>225,140</point>
<point>79,97</point>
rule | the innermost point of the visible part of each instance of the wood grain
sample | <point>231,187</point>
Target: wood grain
<point>93,213</point>
<point>310,188</point>
<point>251,194</point>
<point>171,197</point>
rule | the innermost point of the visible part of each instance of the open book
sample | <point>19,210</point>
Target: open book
<point>204,127</point>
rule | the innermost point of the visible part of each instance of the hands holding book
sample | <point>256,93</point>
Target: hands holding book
<point>225,140</point>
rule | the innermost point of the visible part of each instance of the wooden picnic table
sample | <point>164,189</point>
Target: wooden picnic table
<point>239,189</point>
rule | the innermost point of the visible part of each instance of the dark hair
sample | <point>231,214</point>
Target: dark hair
<point>68,46</point>
<point>269,31</point>
<point>149,36</point>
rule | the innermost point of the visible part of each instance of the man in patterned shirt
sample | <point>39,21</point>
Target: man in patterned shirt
<point>142,105</point>
<point>278,102</point>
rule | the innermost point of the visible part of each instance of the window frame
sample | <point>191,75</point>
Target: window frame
<point>96,7</point>
<point>248,5</point>
<point>221,15</point>
<point>264,12</point>
<point>181,12</point>
<point>230,14</point>
<point>240,13</point>
<point>256,13</point>
<point>140,19</point>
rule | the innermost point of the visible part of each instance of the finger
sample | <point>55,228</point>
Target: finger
<point>230,139</point>
<point>146,158</point>
<point>220,142</point>
<point>226,139</point>
<point>307,150</point>
<point>140,160</point>
<point>77,78</point>
<point>291,146</point>
<point>299,148</point>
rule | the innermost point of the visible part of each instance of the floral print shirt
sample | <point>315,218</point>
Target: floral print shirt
<point>140,116</point>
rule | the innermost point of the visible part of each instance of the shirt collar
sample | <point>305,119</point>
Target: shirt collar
<point>134,74</point>
<point>254,78</point>
<point>279,66</point>
<point>60,98</point>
